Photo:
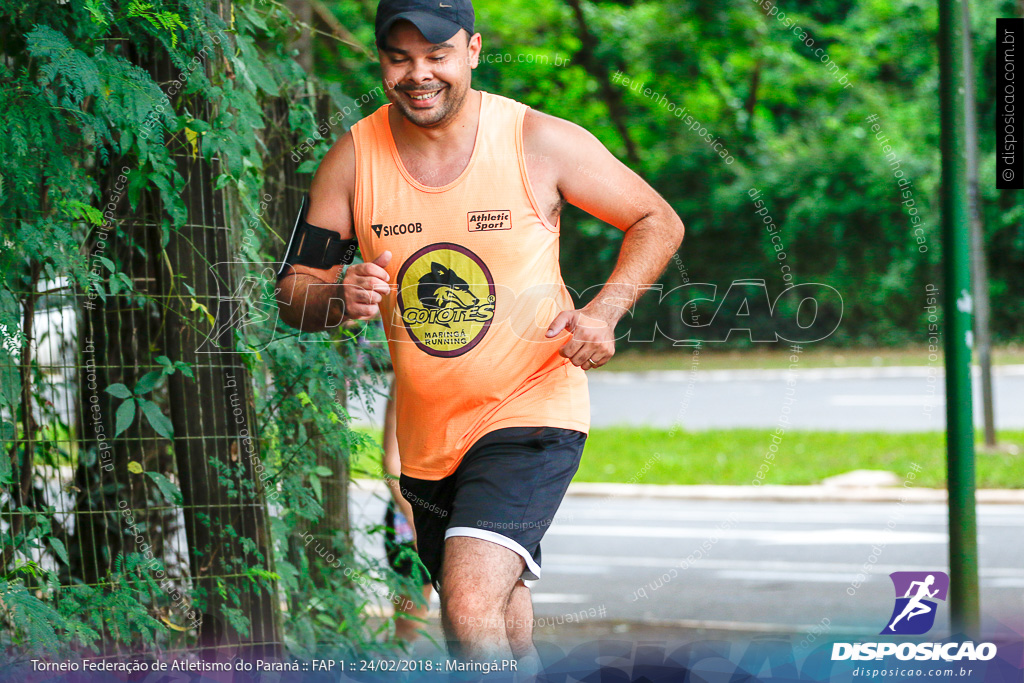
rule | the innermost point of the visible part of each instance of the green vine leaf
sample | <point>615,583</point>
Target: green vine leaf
<point>169,490</point>
<point>96,12</point>
<point>157,419</point>
<point>124,417</point>
<point>168,21</point>
<point>148,381</point>
<point>118,390</point>
<point>60,549</point>
<point>195,305</point>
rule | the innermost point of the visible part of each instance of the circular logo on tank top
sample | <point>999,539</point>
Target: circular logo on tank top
<point>446,298</point>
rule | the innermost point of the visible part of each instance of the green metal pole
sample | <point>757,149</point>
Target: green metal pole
<point>957,305</point>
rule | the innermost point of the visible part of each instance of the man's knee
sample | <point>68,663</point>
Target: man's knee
<point>467,611</point>
<point>518,597</point>
<point>519,612</point>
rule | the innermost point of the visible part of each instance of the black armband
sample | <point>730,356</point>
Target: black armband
<point>315,247</point>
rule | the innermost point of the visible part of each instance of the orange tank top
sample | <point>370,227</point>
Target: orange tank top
<point>475,284</point>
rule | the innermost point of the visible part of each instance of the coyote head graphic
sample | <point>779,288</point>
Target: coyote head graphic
<point>442,288</point>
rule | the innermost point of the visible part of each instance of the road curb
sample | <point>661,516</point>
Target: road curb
<point>775,374</point>
<point>773,493</point>
<point>793,494</point>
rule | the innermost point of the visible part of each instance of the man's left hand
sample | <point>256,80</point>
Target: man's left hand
<point>593,337</point>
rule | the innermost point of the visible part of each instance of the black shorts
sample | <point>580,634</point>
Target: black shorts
<point>506,490</point>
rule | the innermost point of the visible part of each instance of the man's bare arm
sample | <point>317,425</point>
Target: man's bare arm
<point>312,299</point>
<point>587,175</point>
<point>309,298</point>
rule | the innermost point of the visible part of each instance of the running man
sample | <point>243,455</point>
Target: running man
<point>454,196</point>
<point>915,607</point>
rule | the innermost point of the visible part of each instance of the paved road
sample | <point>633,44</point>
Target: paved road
<point>853,399</point>
<point>857,399</point>
<point>768,566</point>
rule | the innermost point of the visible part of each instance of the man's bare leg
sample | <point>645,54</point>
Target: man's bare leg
<point>519,628</point>
<point>477,580</point>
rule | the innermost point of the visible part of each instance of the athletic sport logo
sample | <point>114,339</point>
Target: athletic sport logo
<point>489,220</point>
<point>914,612</point>
<point>446,298</point>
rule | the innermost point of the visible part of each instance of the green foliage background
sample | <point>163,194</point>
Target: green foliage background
<point>798,136</point>
<point>74,108</point>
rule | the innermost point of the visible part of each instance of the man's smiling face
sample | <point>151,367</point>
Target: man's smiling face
<point>427,82</point>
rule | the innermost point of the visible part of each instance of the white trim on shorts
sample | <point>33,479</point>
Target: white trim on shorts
<point>532,570</point>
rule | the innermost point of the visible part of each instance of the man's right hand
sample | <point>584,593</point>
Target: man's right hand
<point>364,286</point>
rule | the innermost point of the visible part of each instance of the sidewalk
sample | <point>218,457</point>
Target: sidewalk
<point>676,632</point>
<point>889,372</point>
<point>791,494</point>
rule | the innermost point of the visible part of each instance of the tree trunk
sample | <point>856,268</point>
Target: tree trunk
<point>587,54</point>
<point>215,445</point>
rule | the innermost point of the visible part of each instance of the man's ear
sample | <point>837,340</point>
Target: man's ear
<point>475,43</point>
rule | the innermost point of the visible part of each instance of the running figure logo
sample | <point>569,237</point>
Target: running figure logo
<point>914,613</point>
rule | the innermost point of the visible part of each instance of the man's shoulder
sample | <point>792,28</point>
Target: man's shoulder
<point>335,175</point>
<point>552,136</point>
<point>500,99</point>
<point>341,156</point>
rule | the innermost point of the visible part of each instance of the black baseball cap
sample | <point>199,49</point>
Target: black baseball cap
<point>437,20</point>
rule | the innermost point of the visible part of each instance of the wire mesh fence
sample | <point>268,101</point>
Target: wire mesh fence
<point>133,450</point>
<point>177,461</point>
